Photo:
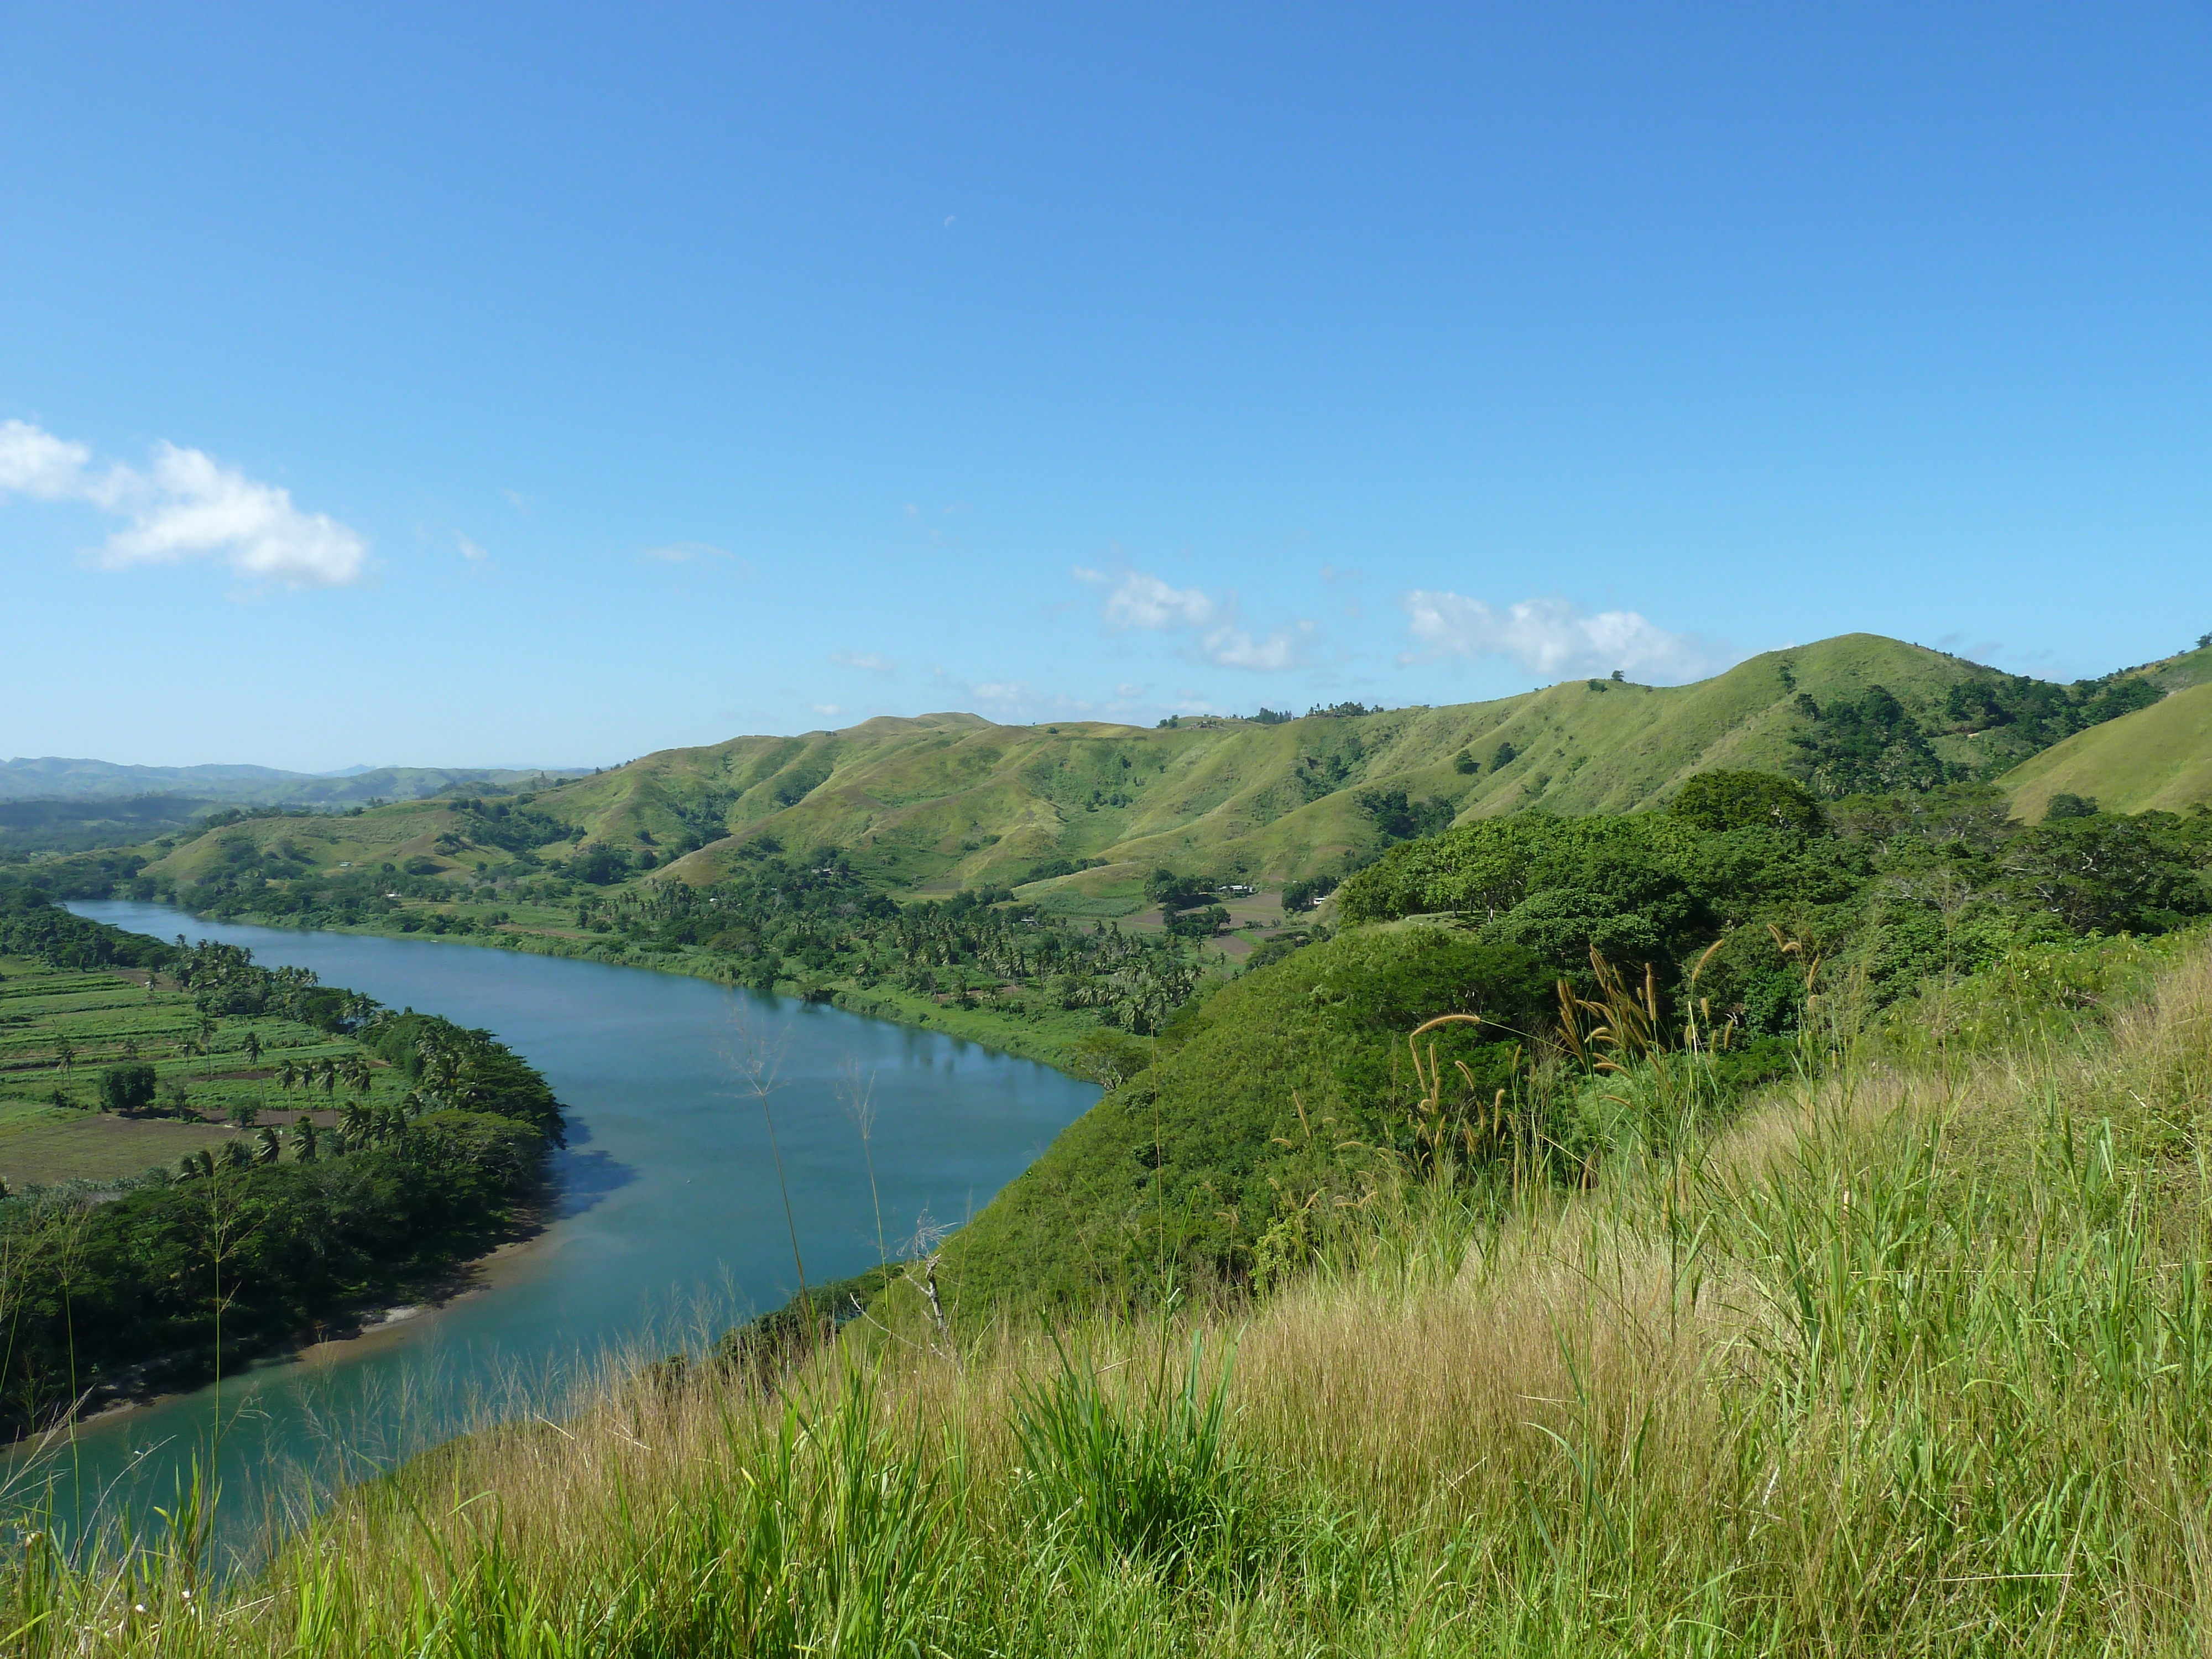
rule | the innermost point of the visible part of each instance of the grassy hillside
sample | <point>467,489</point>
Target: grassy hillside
<point>299,843</point>
<point>1910,1360</point>
<point>942,801</point>
<point>2173,673</point>
<point>1721,918</point>
<point>2157,759</point>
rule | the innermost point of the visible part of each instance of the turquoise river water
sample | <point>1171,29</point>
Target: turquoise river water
<point>667,1225</point>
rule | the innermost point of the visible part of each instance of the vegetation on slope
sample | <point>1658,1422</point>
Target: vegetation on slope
<point>1077,819</point>
<point>1736,913</point>
<point>2158,759</point>
<point>941,802</point>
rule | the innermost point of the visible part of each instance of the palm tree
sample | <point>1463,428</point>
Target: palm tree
<point>268,1148</point>
<point>252,1047</point>
<point>64,1055</point>
<point>288,1076</point>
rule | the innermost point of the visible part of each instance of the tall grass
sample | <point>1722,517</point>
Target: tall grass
<point>1915,1358</point>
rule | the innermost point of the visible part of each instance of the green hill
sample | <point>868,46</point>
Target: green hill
<point>2158,758</point>
<point>2176,672</point>
<point>1078,811</point>
<point>940,801</point>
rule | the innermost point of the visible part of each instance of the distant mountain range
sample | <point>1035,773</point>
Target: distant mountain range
<point>55,779</point>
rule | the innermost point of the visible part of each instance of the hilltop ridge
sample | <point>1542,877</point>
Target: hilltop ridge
<point>937,801</point>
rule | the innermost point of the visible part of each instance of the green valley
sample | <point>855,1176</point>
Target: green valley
<point>781,861</point>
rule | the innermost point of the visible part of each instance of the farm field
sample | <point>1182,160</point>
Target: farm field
<point>61,1029</point>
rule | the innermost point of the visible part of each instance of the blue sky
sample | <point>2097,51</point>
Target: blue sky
<point>470,385</point>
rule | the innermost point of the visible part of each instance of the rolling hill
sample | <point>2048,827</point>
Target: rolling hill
<point>940,801</point>
<point>2158,758</point>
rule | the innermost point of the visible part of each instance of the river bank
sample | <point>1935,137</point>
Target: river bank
<point>1050,1038</point>
<point>347,1336</point>
<point>664,1227</point>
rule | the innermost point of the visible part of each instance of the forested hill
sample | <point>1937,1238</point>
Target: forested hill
<point>943,801</point>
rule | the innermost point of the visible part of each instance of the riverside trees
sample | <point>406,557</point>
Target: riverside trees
<point>814,922</point>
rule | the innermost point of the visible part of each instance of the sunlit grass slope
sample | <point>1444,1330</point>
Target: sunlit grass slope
<point>1916,1360</point>
<point>322,842</point>
<point>2158,758</point>
<point>943,800</point>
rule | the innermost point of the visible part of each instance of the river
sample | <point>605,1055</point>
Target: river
<point>668,1222</point>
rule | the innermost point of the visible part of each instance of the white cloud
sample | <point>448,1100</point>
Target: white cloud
<point>35,462</point>
<point>1137,599</point>
<point>189,507</point>
<point>471,551</point>
<point>1554,638</point>
<point>683,552</point>
<point>1232,647</point>
<point>832,709</point>
<point>516,499</point>
<point>873,662</point>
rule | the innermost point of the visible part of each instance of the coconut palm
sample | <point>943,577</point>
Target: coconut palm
<point>304,1138</point>
<point>64,1055</point>
<point>252,1047</point>
<point>268,1148</point>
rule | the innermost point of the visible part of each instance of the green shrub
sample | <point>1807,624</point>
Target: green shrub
<point>126,1088</point>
